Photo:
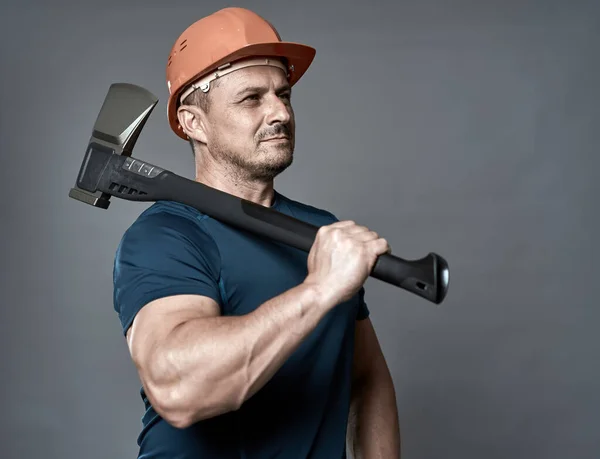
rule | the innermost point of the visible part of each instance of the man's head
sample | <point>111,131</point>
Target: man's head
<point>230,77</point>
<point>245,119</point>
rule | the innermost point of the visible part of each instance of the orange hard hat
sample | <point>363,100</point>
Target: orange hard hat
<point>216,41</point>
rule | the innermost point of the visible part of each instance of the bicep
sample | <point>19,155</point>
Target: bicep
<point>155,321</point>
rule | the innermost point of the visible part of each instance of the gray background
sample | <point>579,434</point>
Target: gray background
<point>465,128</point>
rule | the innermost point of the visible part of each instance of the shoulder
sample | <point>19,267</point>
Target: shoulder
<point>167,227</point>
<point>163,215</point>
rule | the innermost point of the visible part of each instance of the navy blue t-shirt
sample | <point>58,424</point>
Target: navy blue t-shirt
<point>302,411</point>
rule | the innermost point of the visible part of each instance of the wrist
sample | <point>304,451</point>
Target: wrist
<point>320,293</point>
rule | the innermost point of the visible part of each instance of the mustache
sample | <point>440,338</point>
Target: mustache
<point>277,130</point>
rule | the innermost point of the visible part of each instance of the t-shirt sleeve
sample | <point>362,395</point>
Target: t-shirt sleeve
<point>363,310</point>
<point>162,255</point>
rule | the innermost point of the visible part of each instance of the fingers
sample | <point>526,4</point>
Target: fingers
<point>383,246</point>
<point>342,224</point>
<point>349,226</point>
<point>357,229</point>
<point>363,234</point>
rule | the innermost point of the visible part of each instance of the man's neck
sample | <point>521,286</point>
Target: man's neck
<point>257,192</point>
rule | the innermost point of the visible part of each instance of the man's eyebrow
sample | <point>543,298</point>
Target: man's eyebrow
<point>261,89</point>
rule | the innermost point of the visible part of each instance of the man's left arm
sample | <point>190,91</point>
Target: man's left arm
<point>373,425</point>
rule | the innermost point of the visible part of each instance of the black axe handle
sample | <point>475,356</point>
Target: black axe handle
<point>104,170</point>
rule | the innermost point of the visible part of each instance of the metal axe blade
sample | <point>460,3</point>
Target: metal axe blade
<point>124,113</point>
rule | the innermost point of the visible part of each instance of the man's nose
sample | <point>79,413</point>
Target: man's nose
<point>278,110</point>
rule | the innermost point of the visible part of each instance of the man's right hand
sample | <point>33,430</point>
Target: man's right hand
<point>341,258</point>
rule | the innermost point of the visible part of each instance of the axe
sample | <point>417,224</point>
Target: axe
<point>108,169</point>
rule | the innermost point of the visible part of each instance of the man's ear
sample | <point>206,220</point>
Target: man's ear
<point>193,122</point>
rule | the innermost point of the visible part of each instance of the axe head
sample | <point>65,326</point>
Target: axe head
<point>124,113</point>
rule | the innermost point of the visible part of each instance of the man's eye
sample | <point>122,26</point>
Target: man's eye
<point>252,97</point>
<point>286,96</point>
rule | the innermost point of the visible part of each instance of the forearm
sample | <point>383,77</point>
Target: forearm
<point>215,364</point>
<point>373,426</point>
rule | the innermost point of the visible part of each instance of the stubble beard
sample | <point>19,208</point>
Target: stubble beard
<point>265,163</point>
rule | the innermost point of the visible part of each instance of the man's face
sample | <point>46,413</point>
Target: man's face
<point>250,123</point>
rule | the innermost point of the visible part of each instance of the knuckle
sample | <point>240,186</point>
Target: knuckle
<point>336,231</point>
<point>323,230</point>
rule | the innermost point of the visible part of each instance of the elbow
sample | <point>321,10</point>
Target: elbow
<point>182,411</point>
<point>180,422</point>
<point>173,414</point>
<point>177,419</point>
<point>184,398</point>
<point>169,405</point>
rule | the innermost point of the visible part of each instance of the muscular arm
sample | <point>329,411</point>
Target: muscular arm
<point>195,364</point>
<point>373,425</point>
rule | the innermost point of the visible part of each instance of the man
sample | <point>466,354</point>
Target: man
<point>246,347</point>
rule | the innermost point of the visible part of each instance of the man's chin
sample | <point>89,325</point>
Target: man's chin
<point>276,153</point>
<point>269,171</point>
<point>274,170</point>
